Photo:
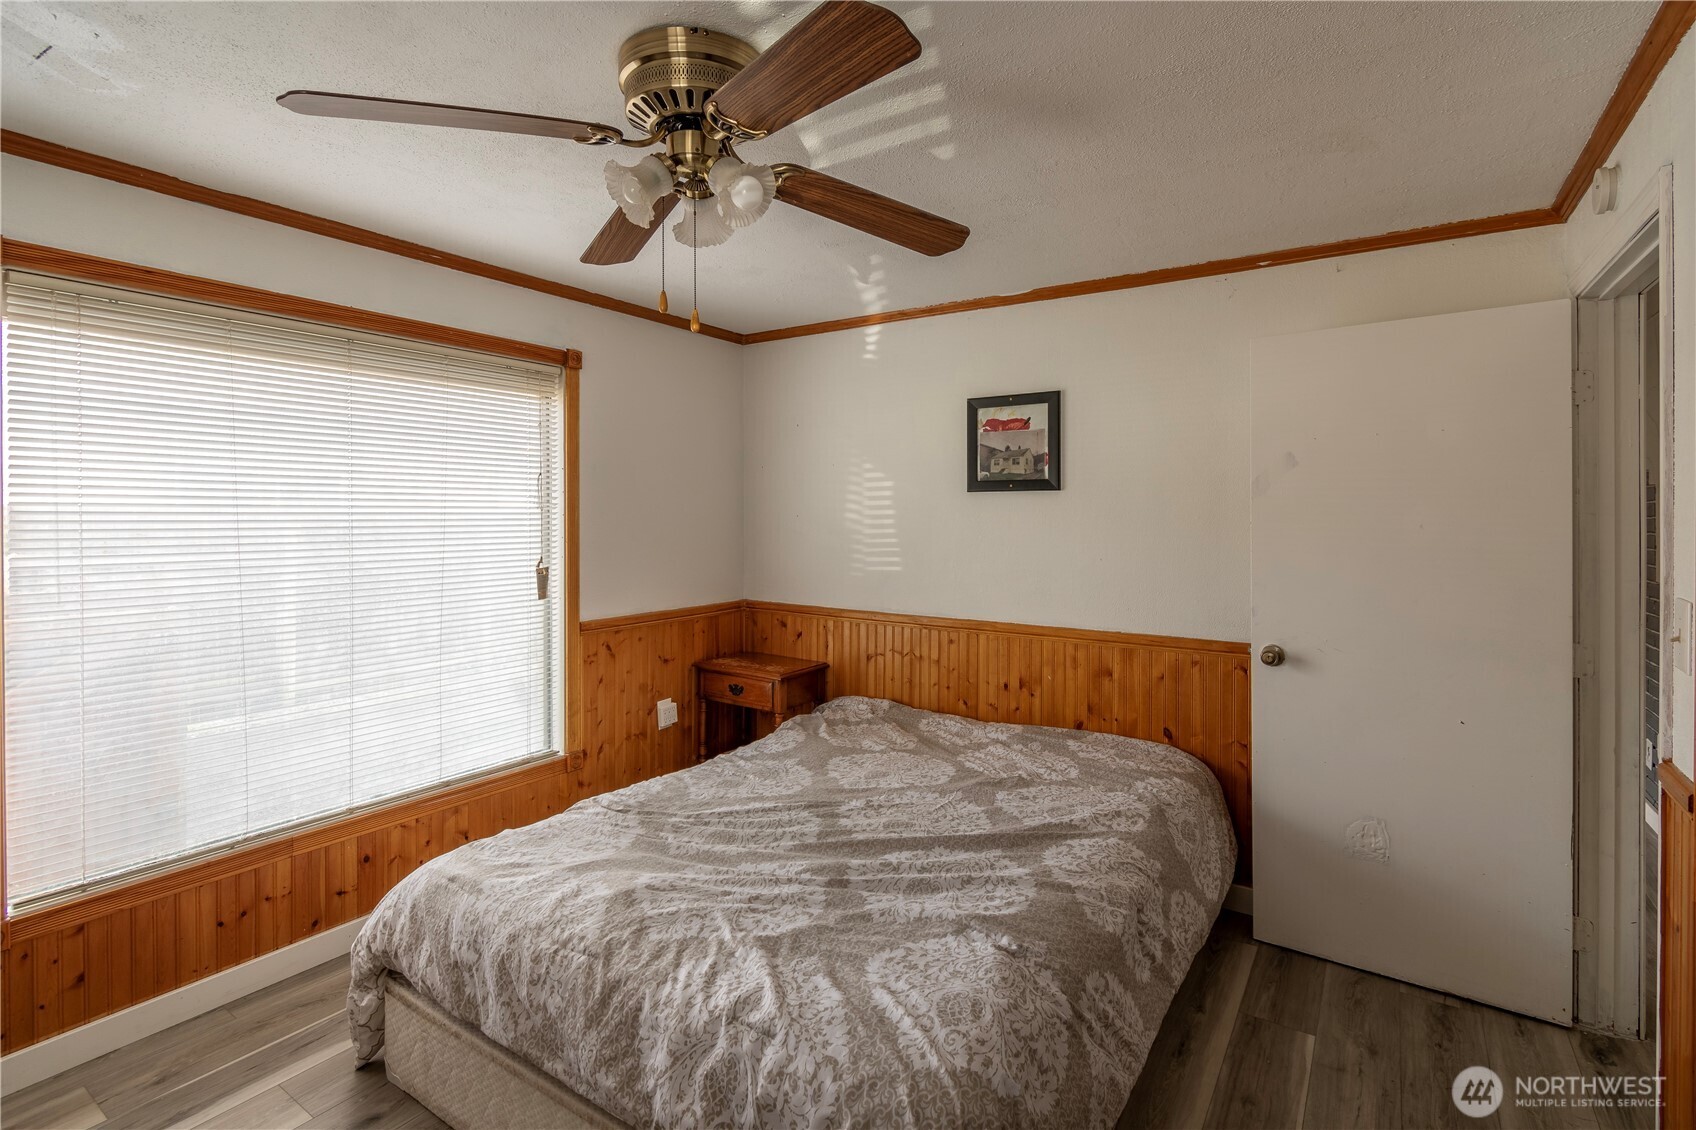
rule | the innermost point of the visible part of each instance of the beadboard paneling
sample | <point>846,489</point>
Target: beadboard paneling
<point>70,964</point>
<point>629,664</point>
<point>1193,694</point>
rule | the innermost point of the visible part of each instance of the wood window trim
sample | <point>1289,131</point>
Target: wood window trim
<point>122,172</point>
<point>17,255</point>
<point>83,908</point>
<point>35,257</point>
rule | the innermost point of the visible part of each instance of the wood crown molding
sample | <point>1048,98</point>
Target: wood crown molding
<point>1668,27</point>
<point>112,272</point>
<point>67,914</point>
<point>1672,20</point>
<point>94,165</point>
<point>1461,229</point>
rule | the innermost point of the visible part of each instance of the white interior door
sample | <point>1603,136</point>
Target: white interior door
<point>1412,554</point>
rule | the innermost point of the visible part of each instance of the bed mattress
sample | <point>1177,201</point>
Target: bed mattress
<point>875,916</point>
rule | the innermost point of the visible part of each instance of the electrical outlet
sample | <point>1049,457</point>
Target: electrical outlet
<point>666,711</point>
<point>574,761</point>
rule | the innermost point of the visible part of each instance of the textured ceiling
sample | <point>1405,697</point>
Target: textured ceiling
<point>1077,140</point>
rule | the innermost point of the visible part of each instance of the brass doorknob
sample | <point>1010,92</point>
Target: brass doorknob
<point>1272,655</point>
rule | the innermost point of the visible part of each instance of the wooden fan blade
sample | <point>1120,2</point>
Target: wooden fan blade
<point>620,241</point>
<point>876,215</point>
<point>324,105</point>
<point>839,47</point>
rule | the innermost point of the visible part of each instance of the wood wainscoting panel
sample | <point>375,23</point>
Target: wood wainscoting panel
<point>73,963</point>
<point>630,663</point>
<point>1678,949</point>
<point>1189,693</point>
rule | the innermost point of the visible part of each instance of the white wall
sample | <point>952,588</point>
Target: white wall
<point>661,428</point>
<point>855,442</point>
<point>1664,133</point>
<point>840,480</point>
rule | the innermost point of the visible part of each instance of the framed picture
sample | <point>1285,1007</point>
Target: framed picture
<point>1013,442</point>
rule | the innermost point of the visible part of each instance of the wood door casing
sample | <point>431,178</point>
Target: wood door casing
<point>1678,949</point>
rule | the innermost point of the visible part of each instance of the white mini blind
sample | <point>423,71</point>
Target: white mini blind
<point>259,573</point>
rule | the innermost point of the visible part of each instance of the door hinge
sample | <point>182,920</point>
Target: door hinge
<point>1583,662</point>
<point>1583,387</point>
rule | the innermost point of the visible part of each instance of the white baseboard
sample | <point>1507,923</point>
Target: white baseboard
<point>31,1065</point>
<point>1240,899</point>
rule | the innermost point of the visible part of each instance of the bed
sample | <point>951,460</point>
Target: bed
<point>876,916</point>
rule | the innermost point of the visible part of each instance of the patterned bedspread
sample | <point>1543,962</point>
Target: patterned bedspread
<point>877,916</point>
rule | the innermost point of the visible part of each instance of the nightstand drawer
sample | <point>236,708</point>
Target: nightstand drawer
<point>770,689</point>
<point>737,690</point>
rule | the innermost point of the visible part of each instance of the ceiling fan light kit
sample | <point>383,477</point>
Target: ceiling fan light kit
<point>701,225</point>
<point>699,93</point>
<point>636,188</point>
<point>742,191</point>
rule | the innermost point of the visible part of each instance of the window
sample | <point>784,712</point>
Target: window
<point>260,573</point>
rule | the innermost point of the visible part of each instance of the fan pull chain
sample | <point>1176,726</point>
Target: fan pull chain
<point>695,268</point>
<point>663,303</point>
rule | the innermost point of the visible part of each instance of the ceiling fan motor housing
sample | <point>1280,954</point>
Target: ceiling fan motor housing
<point>670,71</point>
<point>668,74</point>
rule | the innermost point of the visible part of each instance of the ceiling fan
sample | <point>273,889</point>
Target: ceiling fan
<point>700,93</point>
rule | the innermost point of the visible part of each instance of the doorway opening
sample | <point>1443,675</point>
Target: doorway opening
<point>1631,633</point>
<point>1649,384</point>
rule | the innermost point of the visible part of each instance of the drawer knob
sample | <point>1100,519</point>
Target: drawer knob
<point>735,688</point>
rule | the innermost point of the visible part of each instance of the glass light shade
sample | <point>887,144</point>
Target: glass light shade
<point>742,192</point>
<point>637,188</point>
<point>700,225</point>
<point>747,193</point>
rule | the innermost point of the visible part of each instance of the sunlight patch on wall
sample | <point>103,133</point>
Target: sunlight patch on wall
<point>871,287</point>
<point>874,544</point>
<point>869,351</point>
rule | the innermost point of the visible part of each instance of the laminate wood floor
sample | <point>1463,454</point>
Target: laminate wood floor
<point>1257,1037</point>
<point>1263,1037</point>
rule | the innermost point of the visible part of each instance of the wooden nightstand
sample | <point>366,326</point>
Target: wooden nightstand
<point>774,685</point>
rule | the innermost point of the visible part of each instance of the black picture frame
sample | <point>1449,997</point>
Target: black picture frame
<point>999,468</point>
